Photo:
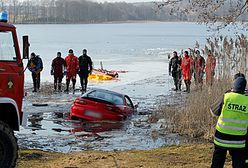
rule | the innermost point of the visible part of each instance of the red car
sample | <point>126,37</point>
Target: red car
<point>99,104</point>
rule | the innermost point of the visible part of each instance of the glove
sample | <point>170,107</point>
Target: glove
<point>52,72</point>
<point>64,73</point>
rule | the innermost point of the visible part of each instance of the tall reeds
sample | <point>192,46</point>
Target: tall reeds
<point>231,55</point>
<point>194,118</point>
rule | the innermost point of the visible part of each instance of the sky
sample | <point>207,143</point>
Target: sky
<point>127,0</point>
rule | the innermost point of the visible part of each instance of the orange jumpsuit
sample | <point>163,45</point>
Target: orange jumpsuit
<point>199,69</point>
<point>185,66</point>
<point>72,66</point>
<point>210,69</point>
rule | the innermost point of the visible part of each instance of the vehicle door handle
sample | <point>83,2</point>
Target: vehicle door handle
<point>2,70</point>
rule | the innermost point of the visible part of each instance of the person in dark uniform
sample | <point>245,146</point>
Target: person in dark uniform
<point>175,70</point>
<point>231,128</point>
<point>35,65</point>
<point>58,67</point>
<point>85,68</point>
<point>246,93</point>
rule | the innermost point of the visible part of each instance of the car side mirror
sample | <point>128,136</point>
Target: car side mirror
<point>25,47</point>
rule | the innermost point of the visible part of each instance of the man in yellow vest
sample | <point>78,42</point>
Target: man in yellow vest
<point>231,128</point>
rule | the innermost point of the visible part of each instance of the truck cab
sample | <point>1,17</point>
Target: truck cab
<point>11,77</point>
<point>11,90</point>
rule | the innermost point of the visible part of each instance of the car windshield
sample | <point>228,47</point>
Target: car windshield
<point>106,96</point>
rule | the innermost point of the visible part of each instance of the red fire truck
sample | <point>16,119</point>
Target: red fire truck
<point>11,90</point>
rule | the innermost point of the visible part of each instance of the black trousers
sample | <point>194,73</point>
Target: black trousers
<point>36,80</point>
<point>68,83</point>
<point>187,84</point>
<point>219,157</point>
<point>177,79</point>
<point>246,153</point>
<point>84,83</point>
<point>57,82</point>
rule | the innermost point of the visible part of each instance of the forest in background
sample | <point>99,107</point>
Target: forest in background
<point>84,11</point>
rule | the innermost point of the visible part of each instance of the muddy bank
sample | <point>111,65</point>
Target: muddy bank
<point>186,156</point>
<point>49,127</point>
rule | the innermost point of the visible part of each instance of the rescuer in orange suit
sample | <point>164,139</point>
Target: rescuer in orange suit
<point>185,66</point>
<point>199,66</point>
<point>72,66</point>
<point>210,68</point>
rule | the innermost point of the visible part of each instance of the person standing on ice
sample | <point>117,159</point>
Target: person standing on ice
<point>199,66</point>
<point>58,67</point>
<point>72,66</point>
<point>210,68</point>
<point>35,66</point>
<point>85,68</point>
<point>175,70</point>
<point>186,71</point>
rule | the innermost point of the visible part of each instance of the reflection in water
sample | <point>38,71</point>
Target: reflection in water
<point>35,121</point>
<point>92,127</point>
<point>96,127</point>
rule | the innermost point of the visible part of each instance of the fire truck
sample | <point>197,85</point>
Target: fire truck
<point>11,90</point>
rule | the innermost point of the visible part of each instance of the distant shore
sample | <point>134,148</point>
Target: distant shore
<point>112,22</point>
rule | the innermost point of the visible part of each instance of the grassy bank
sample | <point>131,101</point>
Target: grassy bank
<point>192,117</point>
<point>186,156</point>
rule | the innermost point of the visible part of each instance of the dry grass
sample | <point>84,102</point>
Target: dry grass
<point>184,156</point>
<point>194,118</point>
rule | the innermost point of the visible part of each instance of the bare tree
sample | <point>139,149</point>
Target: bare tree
<point>84,11</point>
<point>211,11</point>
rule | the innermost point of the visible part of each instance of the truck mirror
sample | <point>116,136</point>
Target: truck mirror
<point>25,47</point>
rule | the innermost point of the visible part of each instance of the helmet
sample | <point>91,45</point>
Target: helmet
<point>239,75</point>
<point>239,84</point>
<point>33,54</point>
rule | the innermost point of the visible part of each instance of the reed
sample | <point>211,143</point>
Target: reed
<point>192,116</point>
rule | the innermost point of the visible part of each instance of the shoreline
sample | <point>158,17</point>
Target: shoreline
<point>187,156</point>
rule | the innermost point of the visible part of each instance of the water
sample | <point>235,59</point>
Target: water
<point>140,48</point>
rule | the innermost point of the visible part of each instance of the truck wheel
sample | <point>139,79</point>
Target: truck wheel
<point>8,146</point>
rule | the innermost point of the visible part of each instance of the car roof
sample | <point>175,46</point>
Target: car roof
<point>107,91</point>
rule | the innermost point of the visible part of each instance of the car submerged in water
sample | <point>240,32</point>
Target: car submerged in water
<point>100,104</point>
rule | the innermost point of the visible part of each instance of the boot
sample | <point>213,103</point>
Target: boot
<point>179,87</point>
<point>59,85</point>
<point>67,86</point>
<point>176,87</point>
<point>55,86</point>
<point>35,90</point>
<point>188,86</point>
<point>73,85</point>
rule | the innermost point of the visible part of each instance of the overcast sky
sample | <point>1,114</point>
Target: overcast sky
<point>126,0</point>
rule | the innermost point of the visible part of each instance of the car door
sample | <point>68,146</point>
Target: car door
<point>129,105</point>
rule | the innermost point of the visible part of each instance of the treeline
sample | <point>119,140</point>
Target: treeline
<point>83,11</point>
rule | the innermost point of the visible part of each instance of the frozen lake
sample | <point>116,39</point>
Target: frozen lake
<point>140,48</point>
